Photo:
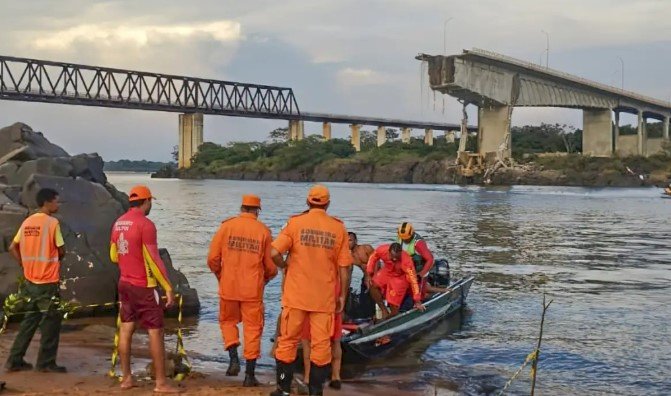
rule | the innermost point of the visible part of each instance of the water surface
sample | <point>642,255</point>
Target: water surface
<point>602,254</point>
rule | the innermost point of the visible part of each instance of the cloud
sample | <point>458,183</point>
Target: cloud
<point>140,36</point>
<point>339,56</point>
<point>352,76</point>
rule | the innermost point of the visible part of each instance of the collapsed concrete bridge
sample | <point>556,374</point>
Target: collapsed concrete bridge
<point>497,83</point>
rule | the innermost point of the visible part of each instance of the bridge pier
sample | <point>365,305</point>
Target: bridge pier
<point>665,134</point>
<point>428,136</point>
<point>405,135</point>
<point>449,136</point>
<point>641,133</point>
<point>616,132</point>
<point>190,138</point>
<point>381,136</point>
<point>597,135</point>
<point>296,130</point>
<point>492,129</point>
<point>326,130</point>
<point>356,136</point>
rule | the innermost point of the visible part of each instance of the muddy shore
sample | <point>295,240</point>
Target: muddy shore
<point>86,347</point>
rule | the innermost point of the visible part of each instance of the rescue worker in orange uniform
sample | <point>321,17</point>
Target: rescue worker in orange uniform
<point>38,246</point>
<point>393,279</point>
<point>240,257</point>
<point>134,247</point>
<point>318,254</point>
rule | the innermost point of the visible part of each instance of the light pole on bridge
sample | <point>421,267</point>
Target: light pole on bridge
<point>445,35</point>
<point>547,49</point>
<point>622,63</point>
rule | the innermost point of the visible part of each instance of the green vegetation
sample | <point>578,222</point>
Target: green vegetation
<point>134,166</point>
<point>277,154</point>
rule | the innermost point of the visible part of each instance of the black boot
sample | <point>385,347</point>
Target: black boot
<point>318,375</point>
<point>250,378</point>
<point>234,362</point>
<point>285,376</point>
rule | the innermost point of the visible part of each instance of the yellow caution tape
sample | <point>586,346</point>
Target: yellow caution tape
<point>530,358</point>
<point>12,302</point>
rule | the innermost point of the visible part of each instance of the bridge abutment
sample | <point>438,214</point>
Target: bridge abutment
<point>356,136</point>
<point>190,138</point>
<point>597,135</point>
<point>493,127</point>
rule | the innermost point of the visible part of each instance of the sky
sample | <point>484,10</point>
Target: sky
<point>339,56</point>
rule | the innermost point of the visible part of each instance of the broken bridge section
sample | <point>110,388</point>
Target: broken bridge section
<point>497,83</point>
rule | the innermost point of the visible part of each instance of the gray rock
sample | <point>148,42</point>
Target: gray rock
<point>181,286</point>
<point>47,166</point>
<point>10,222</point>
<point>89,167</point>
<point>86,208</point>
<point>10,271</point>
<point>20,135</point>
<point>90,205</point>
<point>8,170</point>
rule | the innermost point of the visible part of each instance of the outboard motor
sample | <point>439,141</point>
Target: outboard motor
<point>439,276</point>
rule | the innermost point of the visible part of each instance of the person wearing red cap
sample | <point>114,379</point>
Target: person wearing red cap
<point>135,248</point>
<point>318,255</point>
<point>240,257</point>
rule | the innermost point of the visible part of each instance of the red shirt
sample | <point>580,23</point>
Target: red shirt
<point>422,249</point>
<point>135,249</point>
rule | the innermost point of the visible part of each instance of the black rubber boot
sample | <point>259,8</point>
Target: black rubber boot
<point>318,375</point>
<point>234,362</point>
<point>285,376</point>
<point>250,378</point>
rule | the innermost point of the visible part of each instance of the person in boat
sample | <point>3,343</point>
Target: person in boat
<point>416,247</point>
<point>360,253</point>
<point>396,276</point>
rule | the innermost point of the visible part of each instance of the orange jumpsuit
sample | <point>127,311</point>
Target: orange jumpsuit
<point>318,245</point>
<point>240,257</point>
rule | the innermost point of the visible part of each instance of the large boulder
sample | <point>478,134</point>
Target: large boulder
<point>90,205</point>
<point>47,166</point>
<point>86,207</point>
<point>36,145</point>
<point>89,167</point>
<point>10,271</point>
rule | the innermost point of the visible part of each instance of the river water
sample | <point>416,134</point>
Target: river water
<point>602,255</point>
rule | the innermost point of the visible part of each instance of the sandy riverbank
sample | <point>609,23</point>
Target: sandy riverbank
<point>85,349</point>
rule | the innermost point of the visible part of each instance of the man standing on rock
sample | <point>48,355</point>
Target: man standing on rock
<point>240,258</point>
<point>135,248</point>
<point>38,246</point>
<point>318,255</point>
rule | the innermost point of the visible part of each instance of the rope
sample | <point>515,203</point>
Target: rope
<point>530,358</point>
<point>13,301</point>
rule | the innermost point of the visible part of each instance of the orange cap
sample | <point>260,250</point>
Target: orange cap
<point>251,200</point>
<point>319,195</point>
<point>139,192</point>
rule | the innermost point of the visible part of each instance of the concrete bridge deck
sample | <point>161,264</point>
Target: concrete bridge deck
<point>497,83</point>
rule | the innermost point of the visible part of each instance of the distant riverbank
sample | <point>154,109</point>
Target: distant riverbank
<point>573,170</point>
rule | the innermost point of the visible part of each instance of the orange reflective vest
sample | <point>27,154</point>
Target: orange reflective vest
<point>39,239</point>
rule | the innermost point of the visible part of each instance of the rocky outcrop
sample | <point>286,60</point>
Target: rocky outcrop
<point>90,205</point>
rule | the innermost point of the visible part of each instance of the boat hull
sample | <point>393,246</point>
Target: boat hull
<point>379,340</point>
